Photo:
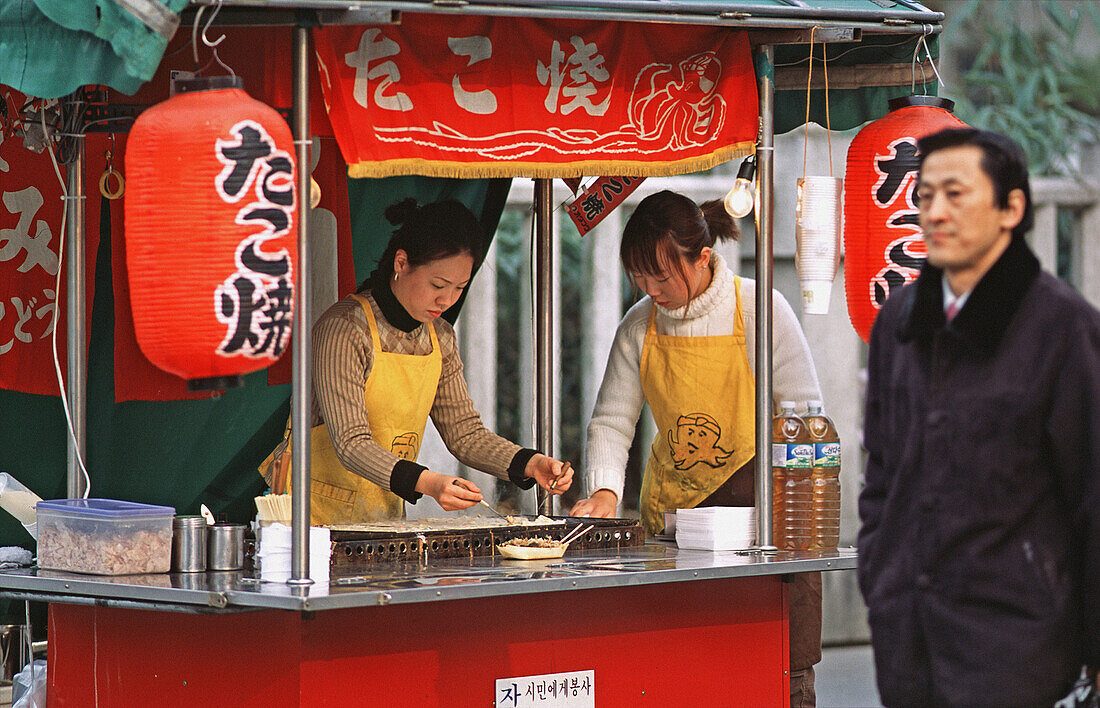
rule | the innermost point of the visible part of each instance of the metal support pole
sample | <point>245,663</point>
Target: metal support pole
<point>75,316</point>
<point>301,389</point>
<point>765,184</point>
<point>544,330</point>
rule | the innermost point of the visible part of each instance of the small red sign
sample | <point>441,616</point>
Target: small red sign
<point>599,199</point>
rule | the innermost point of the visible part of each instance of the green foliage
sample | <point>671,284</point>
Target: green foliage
<point>1030,80</point>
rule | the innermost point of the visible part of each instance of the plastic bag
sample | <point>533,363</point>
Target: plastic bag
<point>28,688</point>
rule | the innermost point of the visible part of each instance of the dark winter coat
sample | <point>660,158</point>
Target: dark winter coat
<point>979,555</point>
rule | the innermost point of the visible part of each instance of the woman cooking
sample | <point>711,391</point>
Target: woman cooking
<point>384,361</point>
<point>687,349</point>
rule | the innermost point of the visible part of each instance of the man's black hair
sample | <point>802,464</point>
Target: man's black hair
<point>1002,161</point>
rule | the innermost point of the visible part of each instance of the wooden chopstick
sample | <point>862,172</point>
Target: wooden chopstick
<point>577,533</point>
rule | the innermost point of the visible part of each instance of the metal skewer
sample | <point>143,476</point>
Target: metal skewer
<point>564,469</point>
<point>490,508</point>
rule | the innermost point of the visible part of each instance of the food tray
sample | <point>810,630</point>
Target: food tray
<point>104,536</point>
<point>355,550</point>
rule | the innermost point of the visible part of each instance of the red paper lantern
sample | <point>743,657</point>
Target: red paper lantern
<point>883,246</point>
<point>210,232</point>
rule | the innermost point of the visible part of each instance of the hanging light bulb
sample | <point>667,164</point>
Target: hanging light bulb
<point>739,201</point>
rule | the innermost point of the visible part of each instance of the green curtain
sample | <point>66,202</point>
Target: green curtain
<point>368,199</point>
<point>851,107</point>
<point>186,453</point>
<point>50,48</point>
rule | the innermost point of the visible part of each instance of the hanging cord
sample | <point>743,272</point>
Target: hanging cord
<point>57,301</point>
<point>916,55</point>
<point>828,121</point>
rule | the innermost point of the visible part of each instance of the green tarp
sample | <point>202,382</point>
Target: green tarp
<point>185,453</point>
<point>50,48</point>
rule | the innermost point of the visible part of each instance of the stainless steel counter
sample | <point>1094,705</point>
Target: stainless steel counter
<point>392,583</point>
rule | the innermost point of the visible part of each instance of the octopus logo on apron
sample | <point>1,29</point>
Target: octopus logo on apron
<point>406,446</point>
<point>696,441</point>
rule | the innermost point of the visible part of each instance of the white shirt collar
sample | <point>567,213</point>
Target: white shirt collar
<point>949,297</point>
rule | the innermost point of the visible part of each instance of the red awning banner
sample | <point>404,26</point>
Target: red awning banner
<point>30,237</point>
<point>509,97</point>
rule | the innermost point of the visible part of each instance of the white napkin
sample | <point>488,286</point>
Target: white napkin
<point>716,528</point>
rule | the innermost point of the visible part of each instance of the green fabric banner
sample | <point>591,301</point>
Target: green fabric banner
<point>50,48</point>
<point>186,453</point>
<point>863,76</point>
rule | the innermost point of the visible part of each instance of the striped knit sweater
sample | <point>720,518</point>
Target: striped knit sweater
<point>343,355</point>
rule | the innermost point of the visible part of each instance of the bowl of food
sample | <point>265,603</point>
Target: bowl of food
<point>538,547</point>
<point>532,548</point>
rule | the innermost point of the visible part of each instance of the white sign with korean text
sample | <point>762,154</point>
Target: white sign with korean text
<point>573,689</point>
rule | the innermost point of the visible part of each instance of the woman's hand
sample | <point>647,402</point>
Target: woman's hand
<point>452,493</point>
<point>601,505</point>
<point>552,475</point>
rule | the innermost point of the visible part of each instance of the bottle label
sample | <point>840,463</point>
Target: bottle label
<point>779,454</point>
<point>800,456</point>
<point>827,454</point>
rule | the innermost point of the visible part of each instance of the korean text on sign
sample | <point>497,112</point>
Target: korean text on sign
<point>574,689</point>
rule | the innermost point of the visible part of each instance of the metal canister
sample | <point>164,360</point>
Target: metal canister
<point>188,544</point>
<point>225,547</point>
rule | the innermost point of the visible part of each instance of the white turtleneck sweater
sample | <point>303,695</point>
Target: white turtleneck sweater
<point>711,313</point>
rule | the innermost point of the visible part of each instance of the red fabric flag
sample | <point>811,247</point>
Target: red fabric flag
<point>506,97</point>
<point>30,237</point>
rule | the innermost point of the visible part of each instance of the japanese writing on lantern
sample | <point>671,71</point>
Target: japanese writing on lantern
<point>256,302</point>
<point>584,68</point>
<point>895,192</point>
<point>574,689</point>
<point>385,76</point>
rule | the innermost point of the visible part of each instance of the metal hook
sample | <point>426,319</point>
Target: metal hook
<point>207,42</point>
<point>105,187</point>
<point>195,35</point>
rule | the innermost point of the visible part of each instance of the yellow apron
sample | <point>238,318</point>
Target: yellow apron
<point>398,395</point>
<point>702,395</point>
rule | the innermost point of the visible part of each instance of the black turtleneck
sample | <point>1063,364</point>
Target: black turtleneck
<point>405,473</point>
<point>394,312</point>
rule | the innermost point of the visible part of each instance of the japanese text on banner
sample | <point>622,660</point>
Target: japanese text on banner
<point>476,97</point>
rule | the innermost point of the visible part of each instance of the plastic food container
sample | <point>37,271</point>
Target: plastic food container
<point>104,536</point>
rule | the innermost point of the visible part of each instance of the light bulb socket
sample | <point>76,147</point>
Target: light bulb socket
<point>747,170</point>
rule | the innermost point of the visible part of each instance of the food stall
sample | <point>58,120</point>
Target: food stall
<point>469,626</point>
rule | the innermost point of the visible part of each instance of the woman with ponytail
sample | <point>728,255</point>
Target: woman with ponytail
<point>384,361</point>
<point>688,350</point>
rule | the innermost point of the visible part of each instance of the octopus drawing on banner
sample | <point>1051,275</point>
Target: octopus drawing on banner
<point>678,108</point>
<point>671,108</point>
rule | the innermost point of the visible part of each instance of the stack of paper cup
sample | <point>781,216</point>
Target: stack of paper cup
<point>817,237</point>
<point>273,555</point>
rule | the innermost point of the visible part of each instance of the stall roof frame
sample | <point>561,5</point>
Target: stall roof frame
<point>876,16</point>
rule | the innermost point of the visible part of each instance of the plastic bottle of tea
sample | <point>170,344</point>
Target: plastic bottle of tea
<point>792,486</point>
<point>826,478</point>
